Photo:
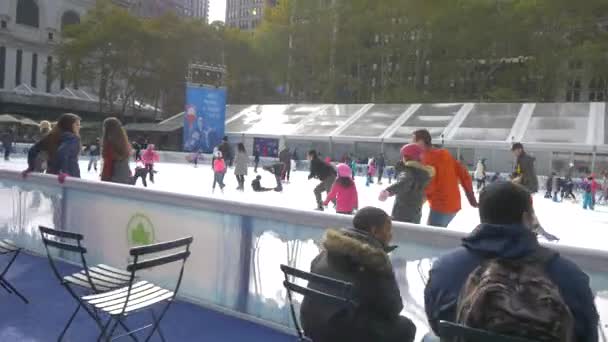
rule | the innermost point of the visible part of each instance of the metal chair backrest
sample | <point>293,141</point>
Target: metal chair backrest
<point>172,251</point>
<point>65,242</point>
<point>449,332</point>
<point>342,292</point>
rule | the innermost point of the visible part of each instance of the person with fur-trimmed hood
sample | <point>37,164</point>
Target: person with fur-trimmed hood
<point>410,187</point>
<point>358,255</point>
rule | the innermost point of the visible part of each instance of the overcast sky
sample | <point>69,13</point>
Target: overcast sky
<point>217,10</point>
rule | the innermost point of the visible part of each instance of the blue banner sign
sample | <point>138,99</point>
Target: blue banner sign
<point>204,119</point>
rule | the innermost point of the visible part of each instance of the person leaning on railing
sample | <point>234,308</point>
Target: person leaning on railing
<point>62,148</point>
<point>115,153</point>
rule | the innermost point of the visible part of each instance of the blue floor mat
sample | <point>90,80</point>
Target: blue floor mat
<point>50,307</point>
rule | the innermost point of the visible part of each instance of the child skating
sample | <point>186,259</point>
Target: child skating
<point>371,171</point>
<point>353,167</point>
<point>256,185</point>
<point>219,171</point>
<point>344,192</point>
<point>149,157</point>
<point>140,172</point>
<point>410,186</point>
<point>588,195</point>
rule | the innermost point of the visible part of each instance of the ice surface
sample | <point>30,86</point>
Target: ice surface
<point>573,225</point>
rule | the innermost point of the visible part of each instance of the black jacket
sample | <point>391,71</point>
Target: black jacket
<point>320,169</point>
<point>276,169</point>
<point>7,139</point>
<point>356,257</point>
<point>226,150</point>
<point>256,185</point>
<point>285,156</point>
<point>380,163</point>
<point>450,272</point>
<point>94,150</point>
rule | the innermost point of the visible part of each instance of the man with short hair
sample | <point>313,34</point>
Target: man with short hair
<point>524,168</point>
<point>358,255</point>
<point>443,193</point>
<point>226,150</point>
<point>505,234</point>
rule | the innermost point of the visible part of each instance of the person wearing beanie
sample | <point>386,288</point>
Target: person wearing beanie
<point>443,192</point>
<point>344,192</point>
<point>410,186</point>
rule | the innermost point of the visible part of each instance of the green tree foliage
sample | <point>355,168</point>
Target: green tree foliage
<point>345,51</point>
<point>432,50</point>
<point>132,60</point>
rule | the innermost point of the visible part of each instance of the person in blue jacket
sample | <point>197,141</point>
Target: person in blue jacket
<point>505,233</point>
<point>62,146</point>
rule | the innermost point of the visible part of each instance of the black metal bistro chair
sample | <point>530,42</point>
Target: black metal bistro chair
<point>450,332</point>
<point>7,247</point>
<point>141,295</point>
<point>343,296</point>
<point>97,279</point>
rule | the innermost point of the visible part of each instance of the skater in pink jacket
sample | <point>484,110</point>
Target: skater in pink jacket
<point>344,192</point>
<point>149,157</point>
<point>371,171</point>
<point>219,170</point>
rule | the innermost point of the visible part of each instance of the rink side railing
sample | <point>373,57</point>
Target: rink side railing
<point>237,247</point>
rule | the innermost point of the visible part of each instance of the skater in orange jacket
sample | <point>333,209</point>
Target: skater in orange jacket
<point>443,193</point>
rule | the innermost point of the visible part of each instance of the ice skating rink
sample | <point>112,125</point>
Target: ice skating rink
<point>573,225</point>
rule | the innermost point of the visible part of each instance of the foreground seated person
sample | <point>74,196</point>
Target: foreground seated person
<point>503,281</point>
<point>358,255</point>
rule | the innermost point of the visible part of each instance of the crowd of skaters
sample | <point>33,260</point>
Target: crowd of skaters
<point>500,279</point>
<point>424,173</point>
<point>359,254</point>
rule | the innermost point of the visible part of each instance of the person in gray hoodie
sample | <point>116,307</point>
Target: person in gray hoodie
<point>409,189</point>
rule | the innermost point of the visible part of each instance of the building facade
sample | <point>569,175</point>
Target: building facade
<point>185,8</point>
<point>200,9</point>
<point>29,31</point>
<point>246,14</point>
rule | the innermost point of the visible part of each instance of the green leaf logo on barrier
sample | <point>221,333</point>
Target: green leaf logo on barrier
<point>140,230</point>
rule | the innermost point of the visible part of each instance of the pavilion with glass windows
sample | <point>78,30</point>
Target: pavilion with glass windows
<point>563,137</point>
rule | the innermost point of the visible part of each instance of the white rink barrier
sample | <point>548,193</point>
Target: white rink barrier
<point>237,247</point>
